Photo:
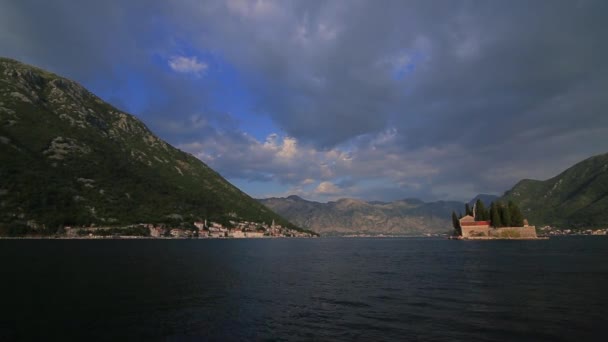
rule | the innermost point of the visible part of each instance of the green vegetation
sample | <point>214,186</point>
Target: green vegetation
<point>515,216</point>
<point>495,215</point>
<point>498,214</point>
<point>576,198</point>
<point>456,224</point>
<point>481,214</point>
<point>505,216</point>
<point>69,159</point>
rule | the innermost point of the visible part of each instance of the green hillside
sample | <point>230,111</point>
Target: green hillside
<point>578,197</point>
<point>69,158</point>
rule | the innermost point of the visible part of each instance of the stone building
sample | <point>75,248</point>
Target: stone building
<point>482,229</point>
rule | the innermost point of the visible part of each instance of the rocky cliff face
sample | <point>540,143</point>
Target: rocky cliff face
<point>578,197</point>
<point>69,158</point>
<point>351,216</point>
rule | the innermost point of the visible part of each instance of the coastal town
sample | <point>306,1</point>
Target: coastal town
<point>552,231</point>
<point>196,230</point>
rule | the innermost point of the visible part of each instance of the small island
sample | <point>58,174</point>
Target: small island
<point>498,222</point>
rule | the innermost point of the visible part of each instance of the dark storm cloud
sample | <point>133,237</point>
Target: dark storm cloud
<point>106,45</point>
<point>325,72</point>
<point>80,38</point>
<point>525,56</point>
<point>517,87</point>
<point>438,99</point>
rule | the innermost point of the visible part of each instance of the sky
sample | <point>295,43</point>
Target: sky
<point>376,100</point>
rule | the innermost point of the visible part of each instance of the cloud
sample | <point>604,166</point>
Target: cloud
<point>327,188</point>
<point>187,65</point>
<point>403,99</point>
<point>238,155</point>
<point>282,159</point>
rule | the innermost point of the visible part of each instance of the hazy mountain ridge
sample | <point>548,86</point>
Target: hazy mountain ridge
<point>67,157</point>
<point>352,216</point>
<point>577,197</point>
<point>487,199</point>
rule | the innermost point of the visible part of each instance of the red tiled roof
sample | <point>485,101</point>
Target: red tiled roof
<point>475,223</point>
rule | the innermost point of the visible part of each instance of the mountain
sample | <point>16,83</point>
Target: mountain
<point>577,197</point>
<point>486,199</point>
<point>351,216</point>
<point>69,158</point>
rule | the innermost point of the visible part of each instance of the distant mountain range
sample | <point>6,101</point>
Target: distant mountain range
<point>69,158</point>
<point>351,216</point>
<point>577,197</point>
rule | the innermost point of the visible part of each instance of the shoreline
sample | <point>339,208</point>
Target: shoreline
<point>481,238</point>
<point>145,238</point>
<point>505,238</point>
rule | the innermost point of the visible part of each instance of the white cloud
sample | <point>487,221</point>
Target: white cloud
<point>187,65</point>
<point>327,188</point>
<point>281,159</point>
<point>289,148</point>
<point>282,148</point>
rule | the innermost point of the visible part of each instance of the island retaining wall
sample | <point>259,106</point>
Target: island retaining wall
<point>504,232</point>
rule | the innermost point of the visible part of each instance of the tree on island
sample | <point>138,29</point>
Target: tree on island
<point>498,214</point>
<point>495,215</point>
<point>515,215</point>
<point>456,224</point>
<point>481,214</point>
<point>505,215</point>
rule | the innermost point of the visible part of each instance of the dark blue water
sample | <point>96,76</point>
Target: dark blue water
<point>305,289</point>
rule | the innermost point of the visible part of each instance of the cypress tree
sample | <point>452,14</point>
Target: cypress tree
<point>495,216</point>
<point>480,211</point>
<point>505,216</point>
<point>517,219</point>
<point>456,224</point>
<point>467,210</point>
